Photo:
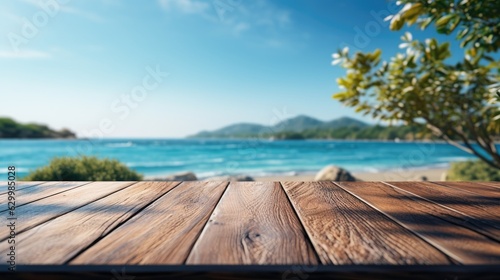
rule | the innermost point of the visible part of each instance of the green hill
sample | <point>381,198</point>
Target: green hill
<point>344,122</point>
<point>9,128</point>
<point>234,130</point>
<point>297,124</point>
<point>304,127</point>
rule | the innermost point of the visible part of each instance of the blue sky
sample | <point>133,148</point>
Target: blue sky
<point>170,68</point>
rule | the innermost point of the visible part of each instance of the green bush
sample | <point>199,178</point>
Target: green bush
<point>473,171</point>
<point>83,169</point>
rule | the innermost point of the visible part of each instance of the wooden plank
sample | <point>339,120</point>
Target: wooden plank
<point>346,231</point>
<point>486,211</point>
<point>473,187</point>
<point>163,233</point>
<point>253,224</point>
<point>445,229</point>
<point>492,184</point>
<point>58,240</point>
<point>33,193</point>
<point>45,209</point>
<point>19,185</point>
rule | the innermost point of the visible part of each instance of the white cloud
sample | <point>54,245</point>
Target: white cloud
<point>27,54</point>
<point>239,15</point>
<point>241,27</point>
<point>258,18</point>
<point>68,9</point>
<point>186,6</point>
<point>264,13</point>
<point>84,14</point>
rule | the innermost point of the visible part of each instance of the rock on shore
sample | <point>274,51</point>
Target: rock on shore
<point>334,173</point>
<point>185,176</point>
<point>238,178</point>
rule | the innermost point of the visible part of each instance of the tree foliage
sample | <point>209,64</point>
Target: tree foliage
<point>83,169</point>
<point>456,101</point>
<point>476,22</point>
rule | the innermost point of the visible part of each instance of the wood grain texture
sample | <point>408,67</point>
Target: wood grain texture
<point>445,229</point>
<point>36,192</point>
<point>493,184</point>
<point>58,240</point>
<point>254,223</point>
<point>345,231</point>
<point>485,210</point>
<point>162,233</point>
<point>472,187</point>
<point>19,185</point>
<point>40,211</point>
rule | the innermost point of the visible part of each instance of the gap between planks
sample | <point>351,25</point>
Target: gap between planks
<point>253,224</point>
<point>479,209</point>
<point>345,230</point>
<point>445,229</point>
<point>36,192</point>
<point>58,239</point>
<point>49,208</point>
<point>20,185</point>
<point>162,233</point>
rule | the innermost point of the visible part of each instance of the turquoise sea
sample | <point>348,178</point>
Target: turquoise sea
<point>206,158</point>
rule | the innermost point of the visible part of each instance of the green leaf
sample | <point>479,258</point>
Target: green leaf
<point>442,30</point>
<point>462,33</point>
<point>454,24</point>
<point>443,21</point>
<point>467,40</point>
<point>412,12</point>
<point>376,54</point>
<point>396,23</point>
<point>424,23</point>
<point>340,96</point>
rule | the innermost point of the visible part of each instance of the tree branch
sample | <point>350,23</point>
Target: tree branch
<point>467,148</point>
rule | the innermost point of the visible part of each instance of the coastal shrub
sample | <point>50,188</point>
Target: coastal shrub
<point>83,169</point>
<point>473,171</point>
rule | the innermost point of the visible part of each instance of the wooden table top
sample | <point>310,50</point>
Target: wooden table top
<point>315,226</point>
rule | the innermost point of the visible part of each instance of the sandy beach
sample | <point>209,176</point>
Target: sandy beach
<point>435,174</point>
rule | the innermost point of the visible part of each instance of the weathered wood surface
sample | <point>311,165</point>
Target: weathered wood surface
<point>29,193</point>
<point>344,230</point>
<point>493,184</point>
<point>46,208</point>
<point>484,209</point>
<point>19,185</point>
<point>485,190</point>
<point>312,224</point>
<point>447,230</point>
<point>163,233</point>
<point>59,239</point>
<point>253,224</point>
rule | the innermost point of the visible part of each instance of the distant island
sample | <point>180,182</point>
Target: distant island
<point>305,127</point>
<point>9,128</point>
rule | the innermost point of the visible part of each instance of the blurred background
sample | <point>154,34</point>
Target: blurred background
<point>250,90</point>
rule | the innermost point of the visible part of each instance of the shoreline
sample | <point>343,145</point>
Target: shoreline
<point>432,174</point>
<point>414,174</point>
<point>426,141</point>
